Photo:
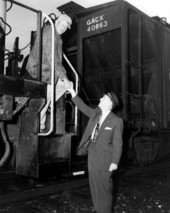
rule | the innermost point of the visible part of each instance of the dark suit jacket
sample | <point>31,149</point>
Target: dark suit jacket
<point>108,146</point>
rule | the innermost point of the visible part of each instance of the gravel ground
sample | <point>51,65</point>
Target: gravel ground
<point>142,193</point>
<point>146,193</point>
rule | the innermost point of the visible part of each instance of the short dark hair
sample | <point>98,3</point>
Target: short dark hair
<point>113,97</point>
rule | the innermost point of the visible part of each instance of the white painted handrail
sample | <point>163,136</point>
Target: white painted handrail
<point>53,85</point>
<point>52,82</point>
<point>76,89</point>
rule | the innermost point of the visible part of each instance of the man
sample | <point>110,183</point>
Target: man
<point>104,150</point>
<point>61,25</point>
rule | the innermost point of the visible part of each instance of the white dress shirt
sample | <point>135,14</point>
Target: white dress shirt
<point>104,115</point>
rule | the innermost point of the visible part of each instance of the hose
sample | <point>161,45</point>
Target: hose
<point>6,155</point>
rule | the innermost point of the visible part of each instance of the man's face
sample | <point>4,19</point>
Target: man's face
<point>61,26</point>
<point>105,102</point>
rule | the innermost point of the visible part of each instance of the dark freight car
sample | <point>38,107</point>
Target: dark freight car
<point>124,50</point>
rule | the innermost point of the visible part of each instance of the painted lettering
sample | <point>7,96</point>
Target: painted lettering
<point>97,26</point>
<point>95,20</point>
<point>96,23</point>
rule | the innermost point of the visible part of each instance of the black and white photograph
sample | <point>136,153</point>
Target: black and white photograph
<point>84,106</point>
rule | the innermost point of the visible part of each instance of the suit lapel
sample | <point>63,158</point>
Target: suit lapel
<point>106,121</point>
<point>96,118</point>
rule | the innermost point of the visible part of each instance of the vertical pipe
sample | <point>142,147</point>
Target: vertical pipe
<point>3,6</point>
<point>79,64</point>
<point>163,72</point>
<point>39,36</point>
<point>124,58</point>
<point>140,69</point>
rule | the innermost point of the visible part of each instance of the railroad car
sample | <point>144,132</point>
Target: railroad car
<point>113,46</point>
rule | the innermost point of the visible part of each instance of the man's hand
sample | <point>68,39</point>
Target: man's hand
<point>68,84</point>
<point>112,167</point>
<point>69,87</point>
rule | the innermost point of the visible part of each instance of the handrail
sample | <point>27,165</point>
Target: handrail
<point>52,83</point>
<point>24,6</point>
<point>52,63</point>
<point>52,72</point>
<point>76,89</point>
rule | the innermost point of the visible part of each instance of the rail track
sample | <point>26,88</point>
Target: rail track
<point>26,195</point>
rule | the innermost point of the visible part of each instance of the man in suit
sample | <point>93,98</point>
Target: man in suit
<point>105,148</point>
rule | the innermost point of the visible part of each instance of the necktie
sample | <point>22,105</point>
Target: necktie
<point>96,129</point>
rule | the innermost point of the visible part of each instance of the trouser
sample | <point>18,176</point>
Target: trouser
<point>101,187</point>
<point>59,91</point>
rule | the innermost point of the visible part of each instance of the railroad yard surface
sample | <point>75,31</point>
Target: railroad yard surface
<point>140,191</point>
